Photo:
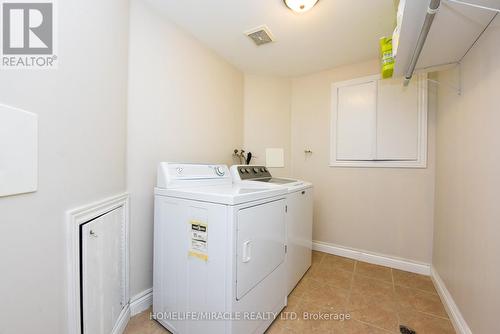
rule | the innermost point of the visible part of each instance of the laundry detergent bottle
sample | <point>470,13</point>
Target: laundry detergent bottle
<point>387,59</point>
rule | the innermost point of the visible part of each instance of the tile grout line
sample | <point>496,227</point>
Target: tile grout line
<point>396,299</point>
<point>351,283</point>
<point>349,294</point>
<point>432,315</point>
<point>415,289</point>
<point>372,325</point>
<point>376,279</point>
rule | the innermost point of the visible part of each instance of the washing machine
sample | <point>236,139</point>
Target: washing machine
<point>299,216</point>
<point>219,251</point>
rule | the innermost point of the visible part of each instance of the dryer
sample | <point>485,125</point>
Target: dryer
<point>299,216</point>
<point>219,251</point>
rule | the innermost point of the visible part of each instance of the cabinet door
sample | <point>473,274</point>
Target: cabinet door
<point>103,272</point>
<point>356,119</point>
<point>397,120</point>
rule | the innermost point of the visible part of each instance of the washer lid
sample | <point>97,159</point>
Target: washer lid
<point>291,185</point>
<point>231,194</point>
<point>277,180</point>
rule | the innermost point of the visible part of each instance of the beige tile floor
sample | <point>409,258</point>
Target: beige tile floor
<point>377,299</point>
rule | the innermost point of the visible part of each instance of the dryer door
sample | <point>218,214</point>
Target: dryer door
<point>260,244</point>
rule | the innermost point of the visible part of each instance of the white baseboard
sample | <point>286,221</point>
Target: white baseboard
<point>380,259</point>
<point>122,322</point>
<point>141,302</point>
<point>456,317</point>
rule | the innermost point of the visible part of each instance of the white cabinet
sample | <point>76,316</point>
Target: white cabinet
<point>356,113</point>
<point>103,272</point>
<point>299,235</point>
<point>379,123</point>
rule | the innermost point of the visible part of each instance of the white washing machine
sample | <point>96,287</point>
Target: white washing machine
<point>299,216</point>
<point>219,251</point>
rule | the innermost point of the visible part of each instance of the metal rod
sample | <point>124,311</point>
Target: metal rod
<point>429,18</point>
<point>474,5</point>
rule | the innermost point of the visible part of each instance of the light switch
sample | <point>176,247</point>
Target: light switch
<point>18,151</point>
<point>275,157</point>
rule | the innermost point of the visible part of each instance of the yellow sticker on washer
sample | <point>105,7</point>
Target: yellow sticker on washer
<point>198,240</point>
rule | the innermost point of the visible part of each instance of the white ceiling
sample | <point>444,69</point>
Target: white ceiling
<point>333,33</point>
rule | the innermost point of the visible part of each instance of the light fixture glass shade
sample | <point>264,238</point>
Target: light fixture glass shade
<point>300,6</point>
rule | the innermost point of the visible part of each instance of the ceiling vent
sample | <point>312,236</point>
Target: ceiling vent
<point>260,35</point>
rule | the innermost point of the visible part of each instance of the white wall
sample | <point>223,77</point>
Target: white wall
<point>82,120</point>
<point>185,104</point>
<point>267,118</point>
<point>381,210</point>
<point>467,229</point>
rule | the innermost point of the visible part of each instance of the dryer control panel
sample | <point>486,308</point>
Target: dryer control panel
<point>174,175</point>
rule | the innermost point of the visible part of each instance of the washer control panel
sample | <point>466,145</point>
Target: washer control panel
<point>248,172</point>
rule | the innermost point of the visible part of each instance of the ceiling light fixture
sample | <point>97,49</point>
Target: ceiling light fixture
<point>300,6</point>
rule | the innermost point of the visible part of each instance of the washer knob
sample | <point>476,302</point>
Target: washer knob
<point>242,170</point>
<point>262,169</point>
<point>219,171</point>
<point>255,169</point>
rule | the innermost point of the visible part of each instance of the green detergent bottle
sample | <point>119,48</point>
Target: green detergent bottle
<point>387,60</point>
